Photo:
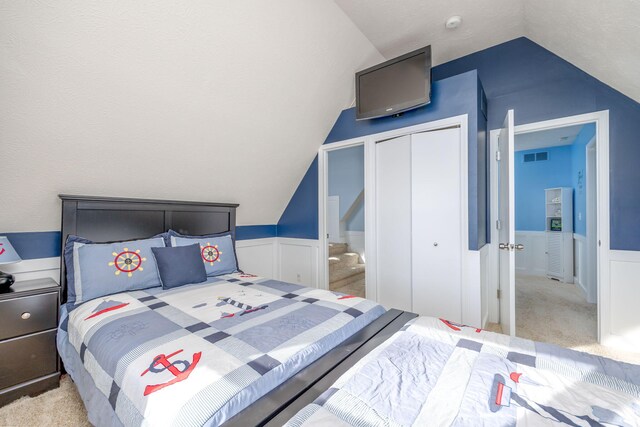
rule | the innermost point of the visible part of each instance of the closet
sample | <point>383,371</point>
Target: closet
<point>419,223</point>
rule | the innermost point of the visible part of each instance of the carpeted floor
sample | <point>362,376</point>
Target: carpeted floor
<point>61,407</point>
<point>556,312</point>
<point>546,311</point>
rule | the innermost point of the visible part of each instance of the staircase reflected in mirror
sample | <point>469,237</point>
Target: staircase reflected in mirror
<point>346,270</point>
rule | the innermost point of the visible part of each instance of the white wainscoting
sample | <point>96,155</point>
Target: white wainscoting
<point>30,269</point>
<point>475,287</point>
<point>298,260</point>
<point>287,259</point>
<point>258,256</point>
<point>623,316</point>
<point>532,260</point>
<point>291,260</point>
<point>485,285</point>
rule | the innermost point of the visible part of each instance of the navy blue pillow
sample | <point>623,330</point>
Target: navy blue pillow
<point>180,265</point>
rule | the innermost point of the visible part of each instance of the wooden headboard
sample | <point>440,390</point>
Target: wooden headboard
<point>108,219</point>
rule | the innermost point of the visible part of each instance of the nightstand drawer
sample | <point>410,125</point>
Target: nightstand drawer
<point>25,315</point>
<point>27,358</point>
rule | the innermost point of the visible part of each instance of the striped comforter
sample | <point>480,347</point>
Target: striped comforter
<point>437,373</point>
<point>201,353</point>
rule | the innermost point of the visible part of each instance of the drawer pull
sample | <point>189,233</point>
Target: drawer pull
<point>25,315</point>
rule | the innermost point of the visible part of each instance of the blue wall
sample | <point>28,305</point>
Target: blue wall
<point>451,96</point>
<point>532,178</point>
<point>518,74</point>
<point>346,180</point>
<point>540,86</point>
<point>563,169</point>
<point>46,244</point>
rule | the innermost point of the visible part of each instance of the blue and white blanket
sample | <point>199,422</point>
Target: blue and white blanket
<point>438,373</point>
<point>201,353</point>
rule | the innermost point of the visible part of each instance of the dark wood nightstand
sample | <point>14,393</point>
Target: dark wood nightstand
<point>29,362</point>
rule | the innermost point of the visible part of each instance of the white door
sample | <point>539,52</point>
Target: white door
<point>333,219</point>
<point>436,224</point>
<point>507,233</point>
<point>393,223</point>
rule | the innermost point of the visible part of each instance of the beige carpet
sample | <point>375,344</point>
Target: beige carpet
<point>546,311</point>
<point>556,312</point>
<point>61,407</point>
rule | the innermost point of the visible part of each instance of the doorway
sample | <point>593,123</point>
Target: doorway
<point>553,297</point>
<point>345,213</point>
<point>556,288</point>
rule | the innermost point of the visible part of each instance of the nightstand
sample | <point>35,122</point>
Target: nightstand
<point>29,361</point>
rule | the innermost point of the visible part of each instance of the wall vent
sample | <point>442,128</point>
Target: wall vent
<point>536,157</point>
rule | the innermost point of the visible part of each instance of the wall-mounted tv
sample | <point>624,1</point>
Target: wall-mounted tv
<point>397,85</point>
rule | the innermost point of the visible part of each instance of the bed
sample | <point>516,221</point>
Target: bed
<point>237,348</point>
<point>435,372</point>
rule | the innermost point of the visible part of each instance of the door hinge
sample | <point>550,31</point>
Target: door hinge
<point>498,224</point>
<point>498,155</point>
<point>499,294</point>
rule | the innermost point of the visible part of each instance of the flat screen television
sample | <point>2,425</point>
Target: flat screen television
<point>397,85</point>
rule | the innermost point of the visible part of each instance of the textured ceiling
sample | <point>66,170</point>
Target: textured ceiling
<point>396,27</point>
<point>547,138</point>
<point>601,38</point>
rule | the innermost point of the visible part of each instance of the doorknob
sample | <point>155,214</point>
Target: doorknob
<point>511,246</point>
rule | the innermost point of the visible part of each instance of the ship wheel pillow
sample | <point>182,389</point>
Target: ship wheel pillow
<point>216,250</point>
<point>98,269</point>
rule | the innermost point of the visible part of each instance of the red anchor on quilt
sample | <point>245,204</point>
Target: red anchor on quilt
<point>161,363</point>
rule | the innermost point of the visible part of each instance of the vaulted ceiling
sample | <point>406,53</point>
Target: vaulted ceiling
<point>599,37</point>
<point>185,100</point>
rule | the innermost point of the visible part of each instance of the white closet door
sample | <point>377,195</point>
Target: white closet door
<point>393,222</point>
<point>435,218</point>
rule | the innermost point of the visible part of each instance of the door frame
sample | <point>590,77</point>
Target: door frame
<point>323,194</point>
<point>591,240</point>
<point>369,142</point>
<point>601,120</point>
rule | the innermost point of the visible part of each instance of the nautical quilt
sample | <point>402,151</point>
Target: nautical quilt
<point>439,373</point>
<point>202,353</point>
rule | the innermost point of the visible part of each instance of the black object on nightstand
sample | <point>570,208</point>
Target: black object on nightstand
<point>29,362</point>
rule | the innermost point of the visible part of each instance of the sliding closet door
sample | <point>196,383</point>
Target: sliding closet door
<point>393,222</point>
<point>435,222</point>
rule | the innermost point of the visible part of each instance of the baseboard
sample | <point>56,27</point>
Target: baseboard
<point>580,286</point>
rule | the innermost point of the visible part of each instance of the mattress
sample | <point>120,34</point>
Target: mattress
<point>199,354</point>
<point>438,373</point>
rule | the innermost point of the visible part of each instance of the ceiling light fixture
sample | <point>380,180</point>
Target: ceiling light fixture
<point>453,22</point>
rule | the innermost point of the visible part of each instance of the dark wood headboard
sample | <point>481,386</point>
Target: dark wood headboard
<point>108,219</point>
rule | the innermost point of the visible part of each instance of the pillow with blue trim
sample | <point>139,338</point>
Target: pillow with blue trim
<point>98,269</point>
<point>180,265</point>
<point>216,250</point>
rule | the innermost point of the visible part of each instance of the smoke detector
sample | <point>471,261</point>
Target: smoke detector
<point>453,22</point>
